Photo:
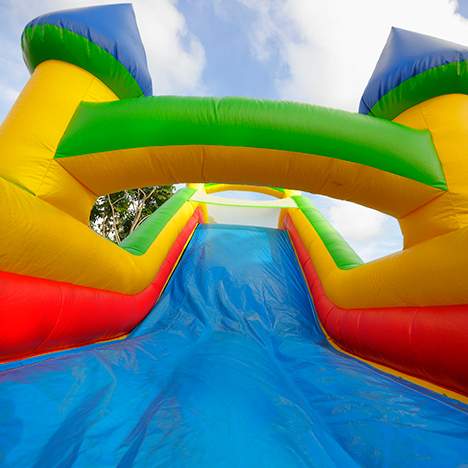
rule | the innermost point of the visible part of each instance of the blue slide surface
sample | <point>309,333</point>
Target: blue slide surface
<point>230,369</point>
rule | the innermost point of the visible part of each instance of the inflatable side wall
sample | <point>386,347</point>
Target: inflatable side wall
<point>86,125</point>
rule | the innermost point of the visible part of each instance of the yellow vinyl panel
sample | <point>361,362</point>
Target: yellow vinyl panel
<point>251,188</point>
<point>108,172</point>
<point>45,242</point>
<point>31,132</point>
<point>430,273</point>
<point>447,119</point>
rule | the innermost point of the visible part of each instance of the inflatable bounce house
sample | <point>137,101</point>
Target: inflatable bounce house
<point>202,342</point>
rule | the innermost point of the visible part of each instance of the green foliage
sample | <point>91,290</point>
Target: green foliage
<point>117,215</point>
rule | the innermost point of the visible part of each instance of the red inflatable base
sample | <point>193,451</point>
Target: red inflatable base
<point>430,343</point>
<point>39,315</point>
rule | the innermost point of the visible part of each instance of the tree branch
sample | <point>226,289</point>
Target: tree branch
<point>114,221</point>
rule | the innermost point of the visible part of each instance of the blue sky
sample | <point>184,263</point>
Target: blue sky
<point>317,52</point>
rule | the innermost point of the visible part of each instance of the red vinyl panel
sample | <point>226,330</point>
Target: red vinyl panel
<point>430,342</point>
<point>39,315</point>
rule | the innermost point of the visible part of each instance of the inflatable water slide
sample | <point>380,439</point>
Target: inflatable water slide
<point>227,332</point>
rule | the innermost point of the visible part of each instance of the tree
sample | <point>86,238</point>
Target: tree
<point>117,215</point>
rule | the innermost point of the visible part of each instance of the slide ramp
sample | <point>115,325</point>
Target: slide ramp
<point>231,368</point>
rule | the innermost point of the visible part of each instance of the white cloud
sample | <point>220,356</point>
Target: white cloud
<point>370,233</point>
<point>176,58</point>
<point>8,94</point>
<point>327,50</point>
<point>355,222</point>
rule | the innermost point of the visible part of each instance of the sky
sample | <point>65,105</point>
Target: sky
<point>315,51</point>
